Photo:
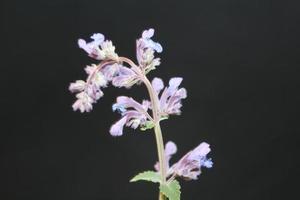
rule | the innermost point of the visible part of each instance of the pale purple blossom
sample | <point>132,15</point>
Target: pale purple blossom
<point>83,102</point>
<point>107,50</point>
<point>145,48</point>
<point>133,114</point>
<point>92,48</point>
<point>148,43</point>
<point>170,150</point>
<point>189,166</point>
<point>98,78</point>
<point>77,86</point>
<point>126,77</point>
<point>170,99</point>
<point>117,128</point>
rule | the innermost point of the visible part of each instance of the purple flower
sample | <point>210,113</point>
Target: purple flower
<point>170,99</point>
<point>107,50</point>
<point>92,48</point>
<point>98,78</point>
<point>189,166</point>
<point>133,114</point>
<point>77,86</point>
<point>117,128</point>
<point>126,77</point>
<point>148,43</point>
<point>83,102</point>
<point>145,48</point>
<point>170,150</point>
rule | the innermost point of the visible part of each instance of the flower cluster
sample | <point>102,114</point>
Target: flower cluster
<point>133,114</point>
<point>189,166</point>
<point>145,48</point>
<point>111,69</point>
<point>107,50</point>
<point>170,99</point>
<point>170,103</point>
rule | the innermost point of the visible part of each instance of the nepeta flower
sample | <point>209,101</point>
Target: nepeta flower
<point>98,78</point>
<point>126,77</point>
<point>170,99</point>
<point>83,102</point>
<point>145,48</point>
<point>107,50</point>
<point>89,91</point>
<point>189,166</point>
<point>170,150</point>
<point>134,117</point>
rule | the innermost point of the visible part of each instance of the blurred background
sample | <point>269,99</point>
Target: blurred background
<point>240,64</point>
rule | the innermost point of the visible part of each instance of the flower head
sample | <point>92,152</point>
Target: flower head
<point>145,48</point>
<point>170,150</point>
<point>107,50</point>
<point>170,99</point>
<point>189,166</point>
<point>98,78</point>
<point>133,114</point>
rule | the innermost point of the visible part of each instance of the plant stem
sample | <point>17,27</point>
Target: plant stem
<point>157,131</point>
<point>156,118</point>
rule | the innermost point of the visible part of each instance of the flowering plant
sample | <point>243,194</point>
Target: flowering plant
<point>164,101</point>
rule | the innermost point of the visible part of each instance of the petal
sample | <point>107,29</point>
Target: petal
<point>170,148</point>
<point>83,45</point>
<point>129,102</point>
<point>117,128</point>
<point>78,86</point>
<point>157,84</point>
<point>200,151</point>
<point>148,33</point>
<point>98,38</point>
<point>175,82</point>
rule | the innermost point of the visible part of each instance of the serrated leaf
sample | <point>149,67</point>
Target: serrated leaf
<point>147,176</point>
<point>171,190</point>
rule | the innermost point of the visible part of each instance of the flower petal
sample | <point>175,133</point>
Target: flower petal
<point>147,34</point>
<point>157,84</point>
<point>117,128</point>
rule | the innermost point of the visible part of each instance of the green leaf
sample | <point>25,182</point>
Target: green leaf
<point>147,176</point>
<point>171,190</point>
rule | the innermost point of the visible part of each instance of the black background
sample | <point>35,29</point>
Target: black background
<point>239,60</point>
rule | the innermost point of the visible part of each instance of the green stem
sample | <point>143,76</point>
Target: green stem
<point>156,118</point>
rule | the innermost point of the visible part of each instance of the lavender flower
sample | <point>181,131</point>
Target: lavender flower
<point>107,50</point>
<point>98,78</point>
<point>170,99</point>
<point>170,150</point>
<point>126,77</point>
<point>83,103</point>
<point>135,117</point>
<point>189,166</point>
<point>145,48</point>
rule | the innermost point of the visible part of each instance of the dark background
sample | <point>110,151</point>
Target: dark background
<point>239,60</point>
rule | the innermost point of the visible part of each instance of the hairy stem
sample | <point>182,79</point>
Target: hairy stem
<point>156,118</point>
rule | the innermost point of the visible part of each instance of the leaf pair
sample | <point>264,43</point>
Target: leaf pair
<point>170,189</point>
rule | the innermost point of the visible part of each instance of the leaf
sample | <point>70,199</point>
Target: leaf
<point>147,176</point>
<point>171,190</point>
